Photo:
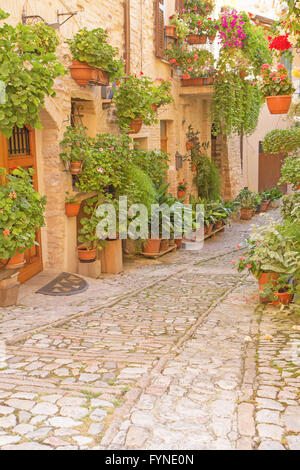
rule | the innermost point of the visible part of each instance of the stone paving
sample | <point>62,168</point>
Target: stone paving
<point>189,360</point>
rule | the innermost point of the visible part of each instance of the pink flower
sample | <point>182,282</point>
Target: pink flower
<point>100,149</point>
<point>6,232</point>
<point>112,148</point>
<point>232,261</point>
<point>249,266</point>
<point>100,169</point>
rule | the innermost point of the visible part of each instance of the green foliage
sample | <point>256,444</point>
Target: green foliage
<point>236,105</point>
<point>290,171</point>
<point>275,82</point>
<point>181,27</point>
<point>135,96</point>
<point>141,189</point>
<point>92,47</point>
<point>154,163</point>
<point>290,208</point>
<point>28,67</point>
<point>21,212</point>
<point>76,145</point>
<point>207,179</point>
<point>204,7</point>
<point>271,194</point>
<point>247,199</point>
<point>87,232</point>
<point>282,141</point>
<point>70,199</point>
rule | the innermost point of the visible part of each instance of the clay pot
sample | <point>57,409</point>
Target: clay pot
<point>209,80</point>
<point>86,255</point>
<point>298,187</point>
<point>154,107</point>
<point>212,38</point>
<point>178,242</point>
<point>219,224</point>
<point>83,74</point>
<point>135,126</point>
<point>181,194</point>
<point>76,168</point>
<point>164,245</point>
<point>284,298</point>
<point>279,104</point>
<point>72,209</point>
<point>264,206</point>
<point>264,279</point>
<point>15,262</point>
<point>198,81</point>
<point>170,31</point>
<point>172,242</point>
<point>197,39</point>
<point>208,230</point>
<point>246,214</point>
<point>243,73</point>
<point>152,246</point>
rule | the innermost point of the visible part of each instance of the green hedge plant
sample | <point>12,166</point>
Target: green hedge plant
<point>290,171</point>
<point>282,141</point>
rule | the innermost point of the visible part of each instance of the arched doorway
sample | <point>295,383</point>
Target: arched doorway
<point>20,150</point>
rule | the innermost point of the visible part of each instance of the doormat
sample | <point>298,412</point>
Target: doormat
<point>64,284</point>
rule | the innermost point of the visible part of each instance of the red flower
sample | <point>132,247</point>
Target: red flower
<point>280,43</point>
<point>141,73</point>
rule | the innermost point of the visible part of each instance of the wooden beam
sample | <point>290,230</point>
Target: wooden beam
<point>127,35</point>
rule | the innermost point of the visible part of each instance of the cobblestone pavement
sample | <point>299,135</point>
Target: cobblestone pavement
<point>189,362</point>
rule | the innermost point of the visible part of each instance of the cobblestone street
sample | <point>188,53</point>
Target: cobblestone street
<point>173,354</point>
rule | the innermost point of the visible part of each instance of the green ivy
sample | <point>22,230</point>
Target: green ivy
<point>28,67</point>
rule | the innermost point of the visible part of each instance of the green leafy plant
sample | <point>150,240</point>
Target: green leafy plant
<point>204,7</point>
<point>70,199</point>
<point>88,225</point>
<point>247,199</point>
<point>282,141</point>
<point>275,82</point>
<point>21,212</point>
<point>290,208</point>
<point>154,163</point>
<point>290,170</point>
<point>92,47</point>
<point>182,186</point>
<point>28,67</point>
<point>76,144</point>
<point>161,94</point>
<point>181,27</point>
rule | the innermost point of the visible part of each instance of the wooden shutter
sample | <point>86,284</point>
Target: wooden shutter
<point>159,28</point>
<point>127,36</point>
<point>179,5</point>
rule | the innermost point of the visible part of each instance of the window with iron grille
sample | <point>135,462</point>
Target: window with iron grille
<point>19,143</point>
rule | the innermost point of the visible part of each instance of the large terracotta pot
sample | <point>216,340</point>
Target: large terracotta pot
<point>164,245</point>
<point>198,81</point>
<point>15,262</point>
<point>264,279</point>
<point>72,209</point>
<point>86,255</point>
<point>83,74</point>
<point>279,104</point>
<point>178,242</point>
<point>75,168</point>
<point>264,206</point>
<point>246,214</point>
<point>170,31</point>
<point>181,194</point>
<point>197,39</point>
<point>284,298</point>
<point>135,126</point>
<point>152,246</point>
<point>208,230</point>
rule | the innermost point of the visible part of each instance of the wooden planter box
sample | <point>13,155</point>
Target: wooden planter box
<point>112,257</point>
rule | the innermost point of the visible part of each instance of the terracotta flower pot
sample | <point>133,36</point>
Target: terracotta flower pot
<point>198,81</point>
<point>279,104</point>
<point>298,187</point>
<point>152,246</point>
<point>246,214</point>
<point>243,73</point>
<point>264,206</point>
<point>154,107</point>
<point>15,262</point>
<point>170,31</point>
<point>208,230</point>
<point>181,194</point>
<point>219,224</point>
<point>284,298</point>
<point>135,126</point>
<point>76,168</point>
<point>264,279</point>
<point>164,245</point>
<point>197,39</point>
<point>209,80</point>
<point>83,74</point>
<point>86,255</point>
<point>178,242</point>
<point>212,38</point>
<point>72,209</point>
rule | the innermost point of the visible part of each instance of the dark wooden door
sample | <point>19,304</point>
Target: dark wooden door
<point>269,171</point>
<point>20,150</point>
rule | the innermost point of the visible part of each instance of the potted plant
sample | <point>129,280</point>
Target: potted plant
<point>181,29</point>
<point>72,205</point>
<point>76,148</point>
<point>274,196</point>
<point>196,66</point>
<point>265,197</point>
<point>279,293</point>
<point>88,238</point>
<point>203,7</point>
<point>196,27</point>
<point>161,94</point>
<point>290,171</point>
<point>211,28</point>
<point>282,141</point>
<point>181,189</point>
<point>93,58</point>
<point>247,201</point>
<point>29,68</point>
<point>22,213</point>
<point>277,88</point>
<point>134,99</point>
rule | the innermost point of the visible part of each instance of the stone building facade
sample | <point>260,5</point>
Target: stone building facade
<point>135,36</point>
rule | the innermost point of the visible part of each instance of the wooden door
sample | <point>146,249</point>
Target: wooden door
<point>163,136</point>
<point>269,171</point>
<point>20,150</point>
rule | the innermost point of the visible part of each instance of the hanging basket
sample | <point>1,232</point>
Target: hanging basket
<point>83,74</point>
<point>76,168</point>
<point>72,209</point>
<point>170,31</point>
<point>198,81</point>
<point>197,39</point>
<point>135,126</point>
<point>279,104</point>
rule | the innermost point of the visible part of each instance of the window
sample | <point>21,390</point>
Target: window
<point>159,28</point>
<point>18,143</point>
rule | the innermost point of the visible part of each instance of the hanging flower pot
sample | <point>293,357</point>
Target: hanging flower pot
<point>170,31</point>
<point>72,209</point>
<point>86,255</point>
<point>246,214</point>
<point>83,74</point>
<point>181,194</point>
<point>15,262</point>
<point>279,104</point>
<point>198,81</point>
<point>152,246</point>
<point>284,298</point>
<point>135,126</point>
<point>197,39</point>
<point>76,168</point>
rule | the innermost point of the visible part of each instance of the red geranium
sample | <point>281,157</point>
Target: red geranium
<point>280,43</point>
